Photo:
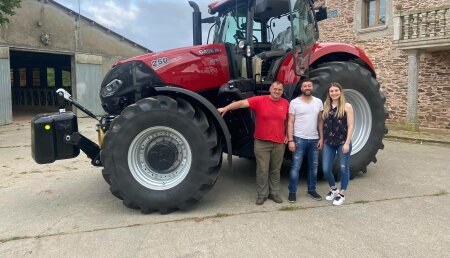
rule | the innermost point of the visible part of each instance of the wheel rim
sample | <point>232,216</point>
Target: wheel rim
<point>362,119</point>
<point>159,158</point>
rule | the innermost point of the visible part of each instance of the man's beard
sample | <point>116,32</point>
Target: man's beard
<point>307,93</point>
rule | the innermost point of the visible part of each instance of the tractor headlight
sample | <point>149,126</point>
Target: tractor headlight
<point>111,88</point>
<point>242,44</point>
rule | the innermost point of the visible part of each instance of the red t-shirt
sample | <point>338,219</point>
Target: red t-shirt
<point>271,118</point>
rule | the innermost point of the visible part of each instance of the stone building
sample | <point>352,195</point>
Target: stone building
<point>409,43</point>
<point>48,46</point>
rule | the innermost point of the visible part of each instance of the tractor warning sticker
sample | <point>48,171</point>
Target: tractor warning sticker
<point>163,61</point>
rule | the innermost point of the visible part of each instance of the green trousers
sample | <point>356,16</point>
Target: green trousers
<point>269,157</point>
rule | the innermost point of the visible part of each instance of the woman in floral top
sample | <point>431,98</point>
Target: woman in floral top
<point>337,133</point>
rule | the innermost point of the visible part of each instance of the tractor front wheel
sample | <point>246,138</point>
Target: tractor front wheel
<point>161,154</point>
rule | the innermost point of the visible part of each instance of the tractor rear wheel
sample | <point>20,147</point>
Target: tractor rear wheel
<point>361,90</point>
<point>161,154</point>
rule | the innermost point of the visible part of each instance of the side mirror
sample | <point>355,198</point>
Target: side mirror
<point>321,14</point>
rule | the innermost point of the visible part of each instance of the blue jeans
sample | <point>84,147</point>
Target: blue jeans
<point>302,147</point>
<point>328,154</point>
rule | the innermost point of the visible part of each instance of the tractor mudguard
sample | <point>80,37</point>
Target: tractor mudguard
<point>208,106</point>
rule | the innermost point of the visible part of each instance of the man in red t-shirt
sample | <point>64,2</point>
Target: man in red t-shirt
<point>270,138</point>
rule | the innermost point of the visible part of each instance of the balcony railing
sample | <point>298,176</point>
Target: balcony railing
<point>423,29</point>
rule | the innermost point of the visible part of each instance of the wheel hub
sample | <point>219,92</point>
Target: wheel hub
<point>162,156</point>
<point>159,158</point>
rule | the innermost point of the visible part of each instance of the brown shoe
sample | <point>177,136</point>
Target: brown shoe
<point>260,200</point>
<point>275,198</point>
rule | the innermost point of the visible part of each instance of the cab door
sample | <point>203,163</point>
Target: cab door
<point>303,34</point>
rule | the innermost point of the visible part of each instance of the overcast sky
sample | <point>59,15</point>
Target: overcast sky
<point>156,24</point>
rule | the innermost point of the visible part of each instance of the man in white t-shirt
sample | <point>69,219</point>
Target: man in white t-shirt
<point>305,136</point>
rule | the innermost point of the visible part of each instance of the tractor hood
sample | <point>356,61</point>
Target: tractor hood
<point>195,68</point>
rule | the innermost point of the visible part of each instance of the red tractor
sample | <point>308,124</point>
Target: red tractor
<point>162,141</point>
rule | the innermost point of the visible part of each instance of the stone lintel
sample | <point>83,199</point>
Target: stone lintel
<point>88,59</point>
<point>4,52</point>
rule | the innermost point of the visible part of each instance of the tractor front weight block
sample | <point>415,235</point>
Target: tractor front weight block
<point>55,136</point>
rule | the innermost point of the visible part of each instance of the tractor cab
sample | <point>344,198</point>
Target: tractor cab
<point>265,41</point>
<point>260,35</point>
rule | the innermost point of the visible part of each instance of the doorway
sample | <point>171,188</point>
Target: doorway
<point>35,77</point>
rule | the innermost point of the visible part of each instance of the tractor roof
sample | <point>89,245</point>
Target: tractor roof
<point>264,8</point>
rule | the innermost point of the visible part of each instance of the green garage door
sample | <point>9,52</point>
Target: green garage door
<point>5,87</point>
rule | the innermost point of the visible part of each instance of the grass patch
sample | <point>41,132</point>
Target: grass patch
<point>221,215</point>
<point>290,208</point>
<point>10,239</point>
<point>361,202</point>
<point>201,219</point>
<point>440,193</point>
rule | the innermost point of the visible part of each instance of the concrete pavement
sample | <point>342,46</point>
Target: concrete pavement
<point>399,208</point>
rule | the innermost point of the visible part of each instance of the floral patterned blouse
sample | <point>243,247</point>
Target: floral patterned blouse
<point>334,128</point>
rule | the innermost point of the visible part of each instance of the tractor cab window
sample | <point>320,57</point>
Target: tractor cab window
<point>233,27</point>
<point>303,24</point>
<point>303,32</point>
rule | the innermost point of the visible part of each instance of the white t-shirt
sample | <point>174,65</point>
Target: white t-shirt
<point>306,116</point>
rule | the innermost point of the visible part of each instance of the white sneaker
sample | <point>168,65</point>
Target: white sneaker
<point>332,194</point>
<point>339,199</point>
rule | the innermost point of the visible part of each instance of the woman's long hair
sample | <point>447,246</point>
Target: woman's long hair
<point>341,106</point>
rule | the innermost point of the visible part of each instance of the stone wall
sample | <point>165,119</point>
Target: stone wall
<point>434,90</point>
<point>391,64</point>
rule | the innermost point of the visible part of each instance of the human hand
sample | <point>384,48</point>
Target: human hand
<point>222,111</point>
<point>345,148</point>
<point>286,140</point>
<point>320,144</point>
<point>291,146</point>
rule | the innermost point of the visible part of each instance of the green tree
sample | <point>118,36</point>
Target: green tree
<point>7,9</point>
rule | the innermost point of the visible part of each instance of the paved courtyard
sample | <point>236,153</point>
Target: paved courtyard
<point>400,208</point>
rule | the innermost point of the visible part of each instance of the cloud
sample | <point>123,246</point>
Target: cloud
<point>112,15</point>
<point>156,24</point>
<point>165,24</point>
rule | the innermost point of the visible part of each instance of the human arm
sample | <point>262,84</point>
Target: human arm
<point>286,139</point>
<point>232,106</point>
<point>350,124</point>
<point>290,132</point>
<point>320,127</point>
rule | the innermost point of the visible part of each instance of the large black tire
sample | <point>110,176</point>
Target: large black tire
<point>361,90</point>
<point>161,154</point>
